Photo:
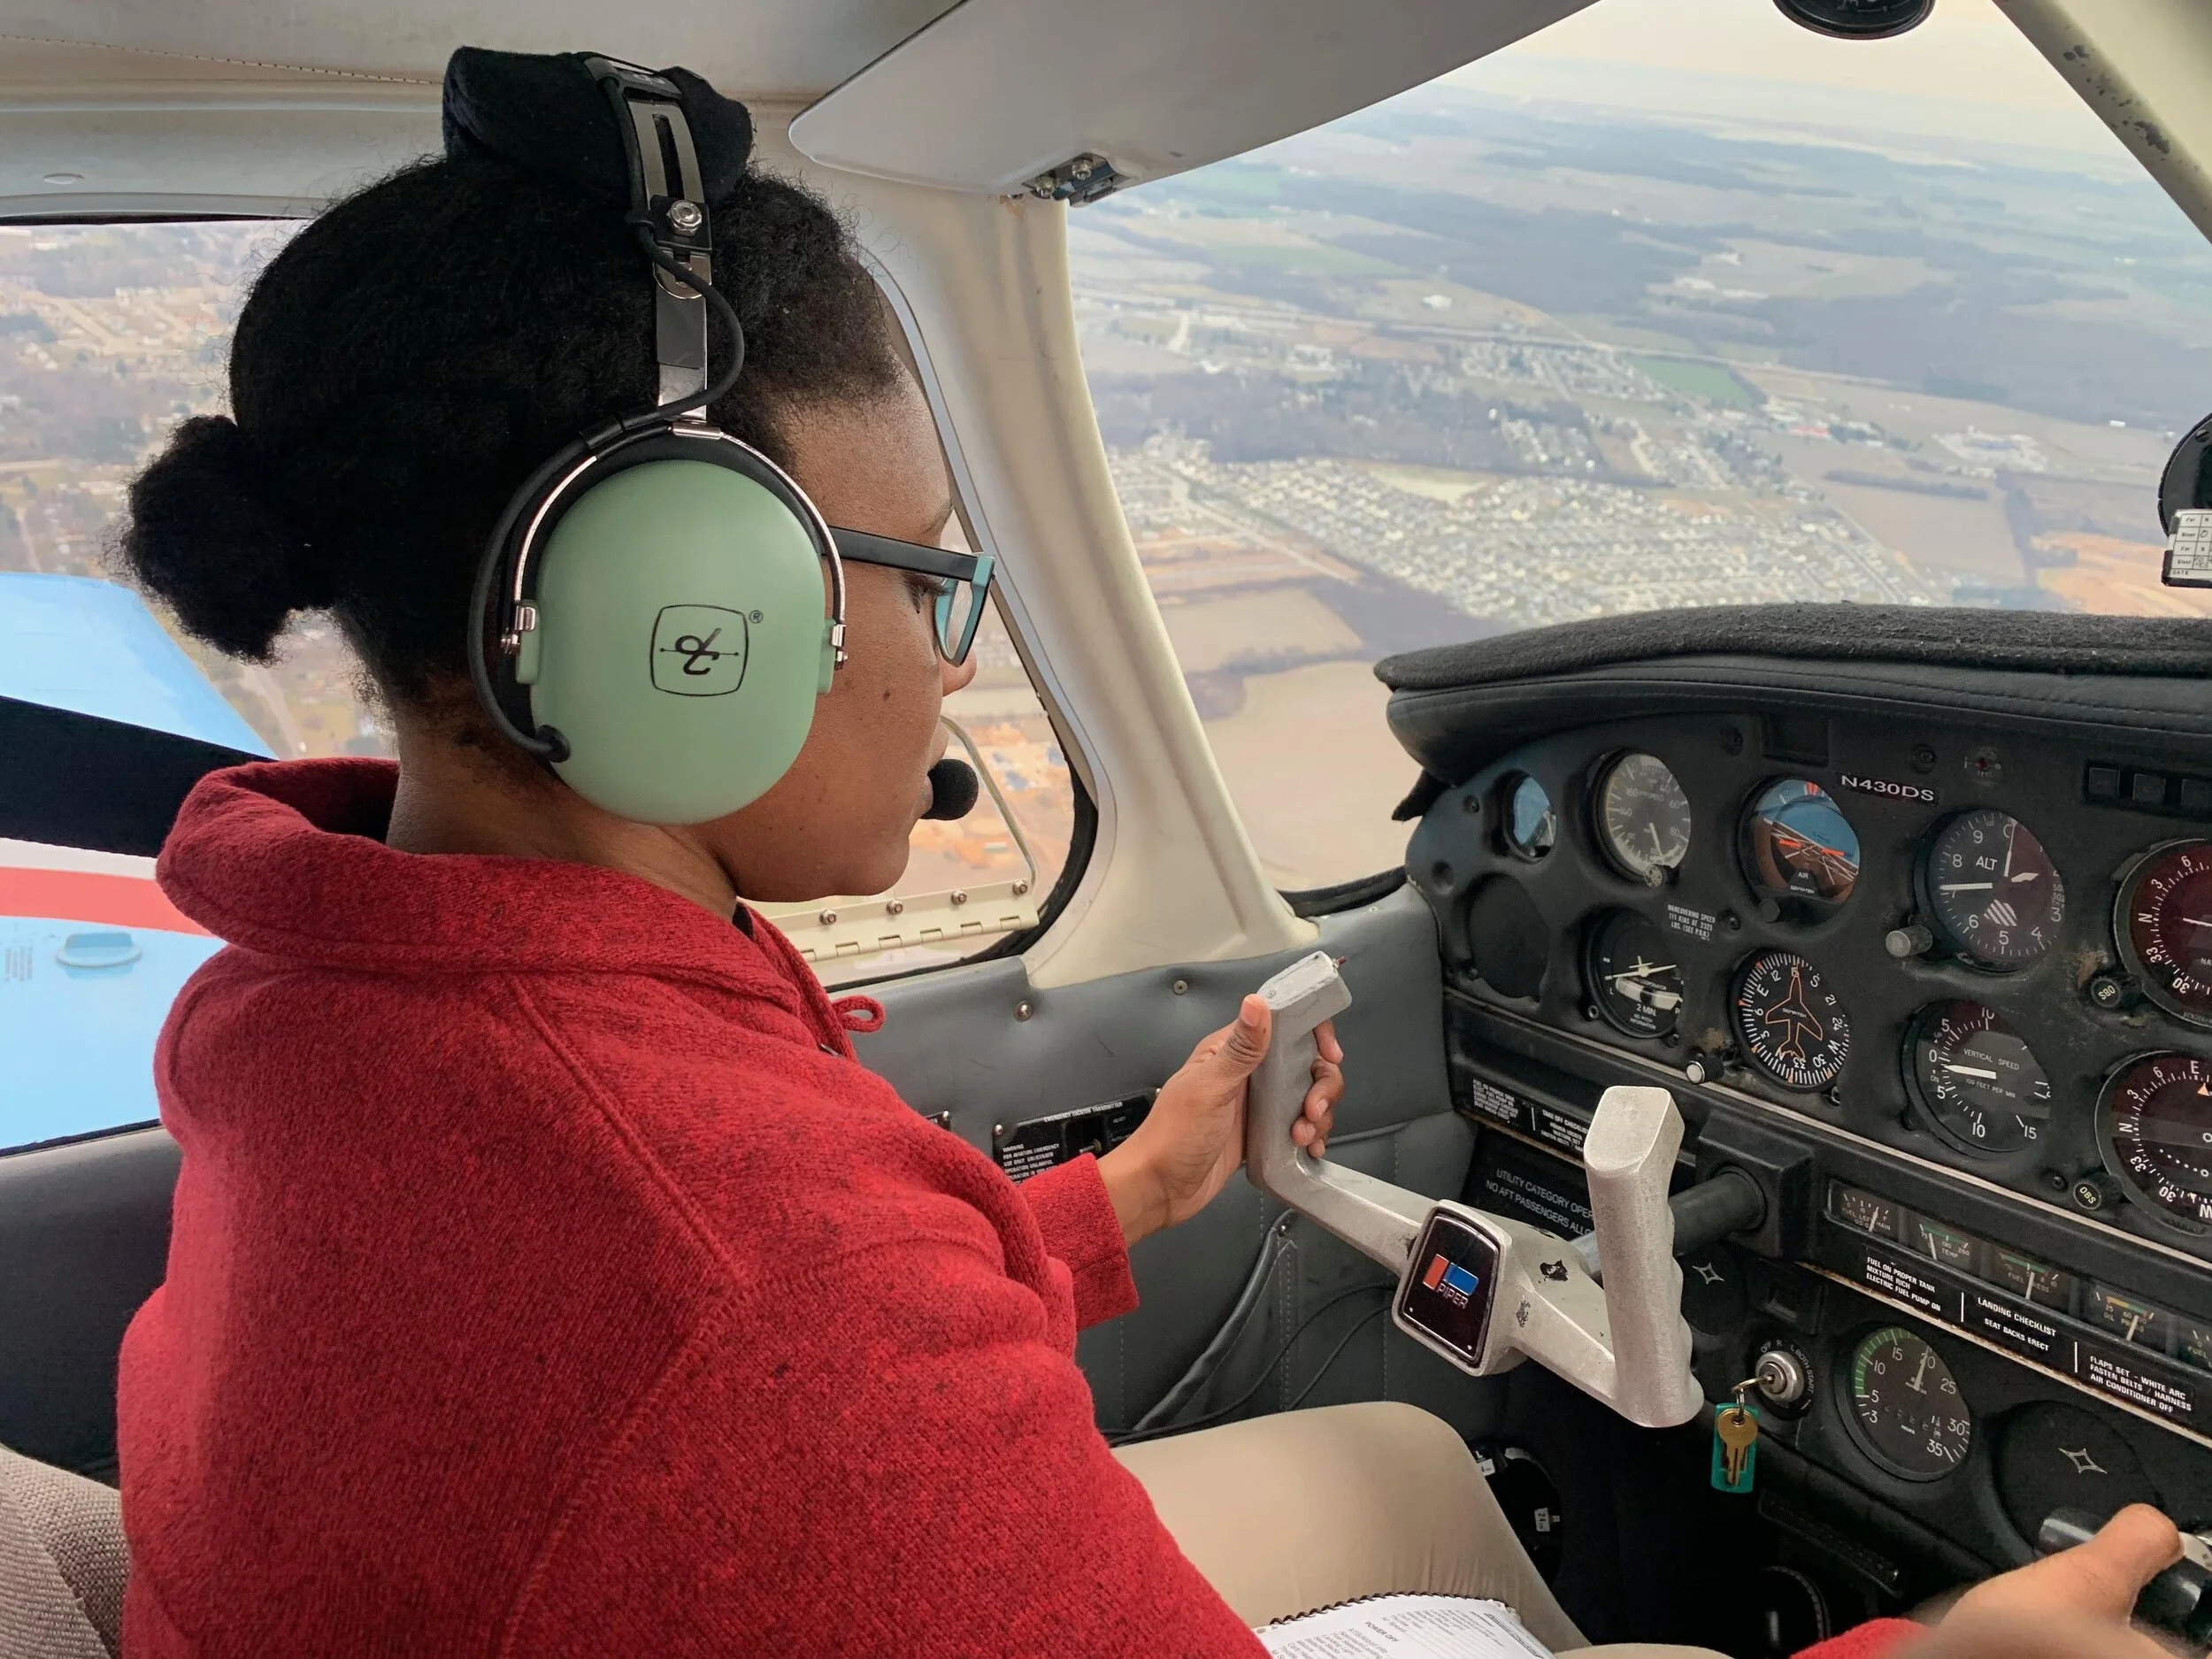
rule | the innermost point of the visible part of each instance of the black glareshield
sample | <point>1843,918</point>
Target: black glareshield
<point>1451,1282</point>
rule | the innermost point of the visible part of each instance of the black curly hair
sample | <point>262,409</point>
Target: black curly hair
<point>408,358</point>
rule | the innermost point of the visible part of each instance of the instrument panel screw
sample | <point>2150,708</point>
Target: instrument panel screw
<point>1023,1011</point>
<point>1471,803</point>
<point>1732,921</point>
<point>1590,1012</point>
<point>1180,987</point>
<point>1923,758</point>
<point>1731,740</point>
<point>685,216</point>
<point>2055,1179</point>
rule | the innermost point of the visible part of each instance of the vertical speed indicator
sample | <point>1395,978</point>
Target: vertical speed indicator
<point>1975,1078</point>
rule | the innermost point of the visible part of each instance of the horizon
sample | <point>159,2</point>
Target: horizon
<point>1966,75</point>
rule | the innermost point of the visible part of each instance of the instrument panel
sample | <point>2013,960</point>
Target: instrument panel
<point>1976,952</point>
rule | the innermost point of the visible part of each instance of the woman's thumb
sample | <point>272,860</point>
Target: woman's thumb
<point>1245,1043</point>
<point>2112,1568</point>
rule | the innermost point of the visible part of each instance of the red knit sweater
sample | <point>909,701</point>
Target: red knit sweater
<point>548,1278</point>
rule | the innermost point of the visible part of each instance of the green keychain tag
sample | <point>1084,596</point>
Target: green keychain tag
<point>1735,1448</point>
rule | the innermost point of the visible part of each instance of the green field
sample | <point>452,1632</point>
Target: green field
<point>1708,380</point>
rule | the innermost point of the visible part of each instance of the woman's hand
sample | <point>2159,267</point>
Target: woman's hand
<point>1192,1140</point>
<point>2023,1612</point>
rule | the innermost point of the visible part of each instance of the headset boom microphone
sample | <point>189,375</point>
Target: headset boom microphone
<point>952,789</point>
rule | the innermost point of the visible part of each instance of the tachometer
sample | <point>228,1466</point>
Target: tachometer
<point>1975,1078</point>
<point>2164,923</point>
<point>1790,1023</point>
<point>1993,890</point>
<point>1799,847</point>
<point>2157,1117</point>
<point>1634,980</point>
<point>1905,1405</point>
<point>1643,818</point>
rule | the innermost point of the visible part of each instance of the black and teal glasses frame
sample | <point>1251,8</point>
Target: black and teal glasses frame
<point>956,628</point>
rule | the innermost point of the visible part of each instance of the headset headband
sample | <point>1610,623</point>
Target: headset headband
<point>668,203</point>
<point>668,211</point>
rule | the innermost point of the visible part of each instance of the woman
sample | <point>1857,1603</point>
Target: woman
<point>547,1277</point>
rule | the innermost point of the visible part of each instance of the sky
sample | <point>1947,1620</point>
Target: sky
<point>1965,73</point>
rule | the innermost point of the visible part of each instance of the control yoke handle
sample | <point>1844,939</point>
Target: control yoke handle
<point>1623,1342</point>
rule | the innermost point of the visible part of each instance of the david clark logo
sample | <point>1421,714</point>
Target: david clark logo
<point>699,650</point>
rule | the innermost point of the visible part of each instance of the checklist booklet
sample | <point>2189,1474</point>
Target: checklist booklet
<point>1405,1627</point>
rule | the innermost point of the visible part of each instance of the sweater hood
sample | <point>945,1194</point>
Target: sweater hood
<point>286,859</point>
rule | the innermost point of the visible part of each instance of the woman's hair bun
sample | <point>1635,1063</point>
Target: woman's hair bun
<point>205,535</point>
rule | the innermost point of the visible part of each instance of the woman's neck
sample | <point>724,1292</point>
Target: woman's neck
<point>453,798</point>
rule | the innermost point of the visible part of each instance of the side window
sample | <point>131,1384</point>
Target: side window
<point>1633,315</point>
<point>976,881</point>
<point>972,881</point>
<point>110,335</point>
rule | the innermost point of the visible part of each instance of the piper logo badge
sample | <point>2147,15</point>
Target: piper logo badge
<point>699,650</point>
<point>1454,1282</point>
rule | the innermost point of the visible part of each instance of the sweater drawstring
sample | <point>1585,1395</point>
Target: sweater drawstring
<point>862,1014</point>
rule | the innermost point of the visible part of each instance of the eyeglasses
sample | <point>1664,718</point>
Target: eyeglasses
<point>962,581</point>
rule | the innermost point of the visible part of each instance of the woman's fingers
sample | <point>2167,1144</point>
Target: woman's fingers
<point>1317,1116</point>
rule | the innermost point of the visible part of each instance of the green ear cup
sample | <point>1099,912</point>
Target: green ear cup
<point>682,640</point>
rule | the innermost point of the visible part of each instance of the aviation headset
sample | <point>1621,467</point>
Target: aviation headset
<point>648,616</point>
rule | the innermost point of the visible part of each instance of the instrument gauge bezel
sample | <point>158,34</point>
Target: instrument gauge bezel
<point>1629,866</point>
<point>2148,976</point>
<point>2107,1145</point>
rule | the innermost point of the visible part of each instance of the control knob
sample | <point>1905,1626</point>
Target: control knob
<point>1912,940</point>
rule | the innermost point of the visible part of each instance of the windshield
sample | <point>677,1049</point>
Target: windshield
<point>1673,304</point>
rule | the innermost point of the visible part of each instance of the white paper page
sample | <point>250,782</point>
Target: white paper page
<point>1406,1627</point>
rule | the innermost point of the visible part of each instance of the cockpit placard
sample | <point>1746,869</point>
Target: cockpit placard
<point>1030,1149</point>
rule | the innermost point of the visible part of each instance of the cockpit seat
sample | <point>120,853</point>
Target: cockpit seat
<point>62,1563</point>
